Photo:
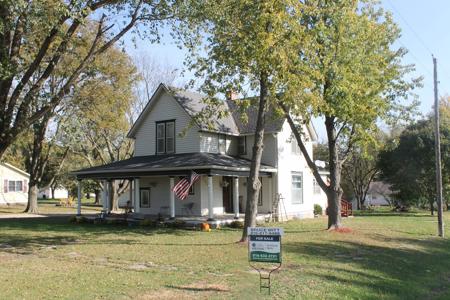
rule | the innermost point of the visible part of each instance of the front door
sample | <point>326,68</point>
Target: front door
<point>227,190</point>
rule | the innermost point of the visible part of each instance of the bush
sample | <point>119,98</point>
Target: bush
<point>147,222</point>
<point>176,224</point>
<point>317,210</point>
<point>236,224</point>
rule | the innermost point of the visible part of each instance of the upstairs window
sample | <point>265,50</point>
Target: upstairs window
<point>165,137</point>
<point>242,146</point>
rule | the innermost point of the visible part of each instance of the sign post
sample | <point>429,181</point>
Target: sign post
<point>264,246</point>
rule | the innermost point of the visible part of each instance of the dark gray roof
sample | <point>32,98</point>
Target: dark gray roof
<point>193,104</point>
<point>233,123</point>
<point>164,164</point>
<point>273,123</point>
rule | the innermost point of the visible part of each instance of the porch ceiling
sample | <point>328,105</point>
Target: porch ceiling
<point>173,165</point>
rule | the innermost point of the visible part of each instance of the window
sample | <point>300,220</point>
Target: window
<point>14,185</point>
<point>192,190</point>
<point>222,143</point>
<point>297,189</point>
<point>260,198</point>
<point>11,186</point>
<point>316,187</point>
<point>19,186</point>
<point>145,197</point>
<point>165,137</point>
<point>242,146</point>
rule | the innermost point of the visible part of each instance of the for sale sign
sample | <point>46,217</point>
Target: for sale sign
<point>264,244</point>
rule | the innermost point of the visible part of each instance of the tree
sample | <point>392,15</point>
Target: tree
<point>359,171</point>
<point>248,48</point>
<point>35,37</point>
<point>409,167</point>
<point>357,80</point>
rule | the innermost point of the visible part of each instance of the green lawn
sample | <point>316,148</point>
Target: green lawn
<point>390,256</point>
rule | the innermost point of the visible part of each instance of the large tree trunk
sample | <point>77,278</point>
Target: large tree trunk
<point>113,197</point>
<point>97,197</point>
<point>334,194</point>
<point>32,206</point>
<point>253,184</point>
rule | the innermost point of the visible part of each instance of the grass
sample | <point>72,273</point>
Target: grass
<point>50,206</point>
<point>383,257</point>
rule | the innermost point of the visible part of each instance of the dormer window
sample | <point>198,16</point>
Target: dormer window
<point>165,137</point>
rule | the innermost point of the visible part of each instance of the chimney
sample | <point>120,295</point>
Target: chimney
<point>232,95</point>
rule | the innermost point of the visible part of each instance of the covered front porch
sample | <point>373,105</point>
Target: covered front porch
<point>220,191</point>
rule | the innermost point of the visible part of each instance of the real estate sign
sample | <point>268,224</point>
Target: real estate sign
<point>264,244</point>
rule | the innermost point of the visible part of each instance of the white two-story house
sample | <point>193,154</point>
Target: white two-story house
<point>169,146</point>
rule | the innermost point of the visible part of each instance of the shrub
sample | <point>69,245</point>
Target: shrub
<point>236,224</point>
<point>147,222</point>
<point>317,210</point>
<point>176,224</point>
<point>73,219</point>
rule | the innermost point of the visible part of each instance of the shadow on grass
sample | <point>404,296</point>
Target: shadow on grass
<point>41,232</point>
<point>406,269</point>
<point>197,289</point>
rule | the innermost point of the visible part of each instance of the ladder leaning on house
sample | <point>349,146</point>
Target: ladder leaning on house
<point>277,205</point>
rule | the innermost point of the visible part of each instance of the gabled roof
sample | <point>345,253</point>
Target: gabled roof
<point>192,103</point>
<point>14,169</point>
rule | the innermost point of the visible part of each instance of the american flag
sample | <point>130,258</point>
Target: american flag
<point>181,189</point>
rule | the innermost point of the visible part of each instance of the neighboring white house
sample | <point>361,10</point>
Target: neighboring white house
<point>59,193</point>
<point>13,185</point>
<point>169,145</point>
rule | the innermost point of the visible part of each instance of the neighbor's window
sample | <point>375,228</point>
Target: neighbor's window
<point>297,188</point>
<point>242,146</point>
<point>11,186</point>
<point>19,186</point>
<point>145,197</point>
<point>316,187</point>
<point>15,186</point>
<point>165,137</point>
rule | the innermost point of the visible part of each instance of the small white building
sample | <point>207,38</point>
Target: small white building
<point>169,145</point>
<point>59,193</point>
<point>13,185</point>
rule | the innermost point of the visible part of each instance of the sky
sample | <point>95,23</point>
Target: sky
<point>425,26</point>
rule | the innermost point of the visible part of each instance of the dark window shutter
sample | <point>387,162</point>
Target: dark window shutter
<point>5,186</point>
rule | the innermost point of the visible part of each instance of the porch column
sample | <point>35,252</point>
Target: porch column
<point>105,195</point>
<point>108,197</point>
<point>236,197</point>
<point>79,199</point>
<point>131,193</point>
<point>210,198</point>
<point>172,198</point>
<point>137,196</point>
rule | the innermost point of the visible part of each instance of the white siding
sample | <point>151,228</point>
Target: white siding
<point>288,163</point>
<point>166,108</point>
<point>12,197</point>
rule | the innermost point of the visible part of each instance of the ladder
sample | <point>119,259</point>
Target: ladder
<point>277,205</point>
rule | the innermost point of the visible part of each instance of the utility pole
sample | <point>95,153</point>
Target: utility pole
<point>437,146</point>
